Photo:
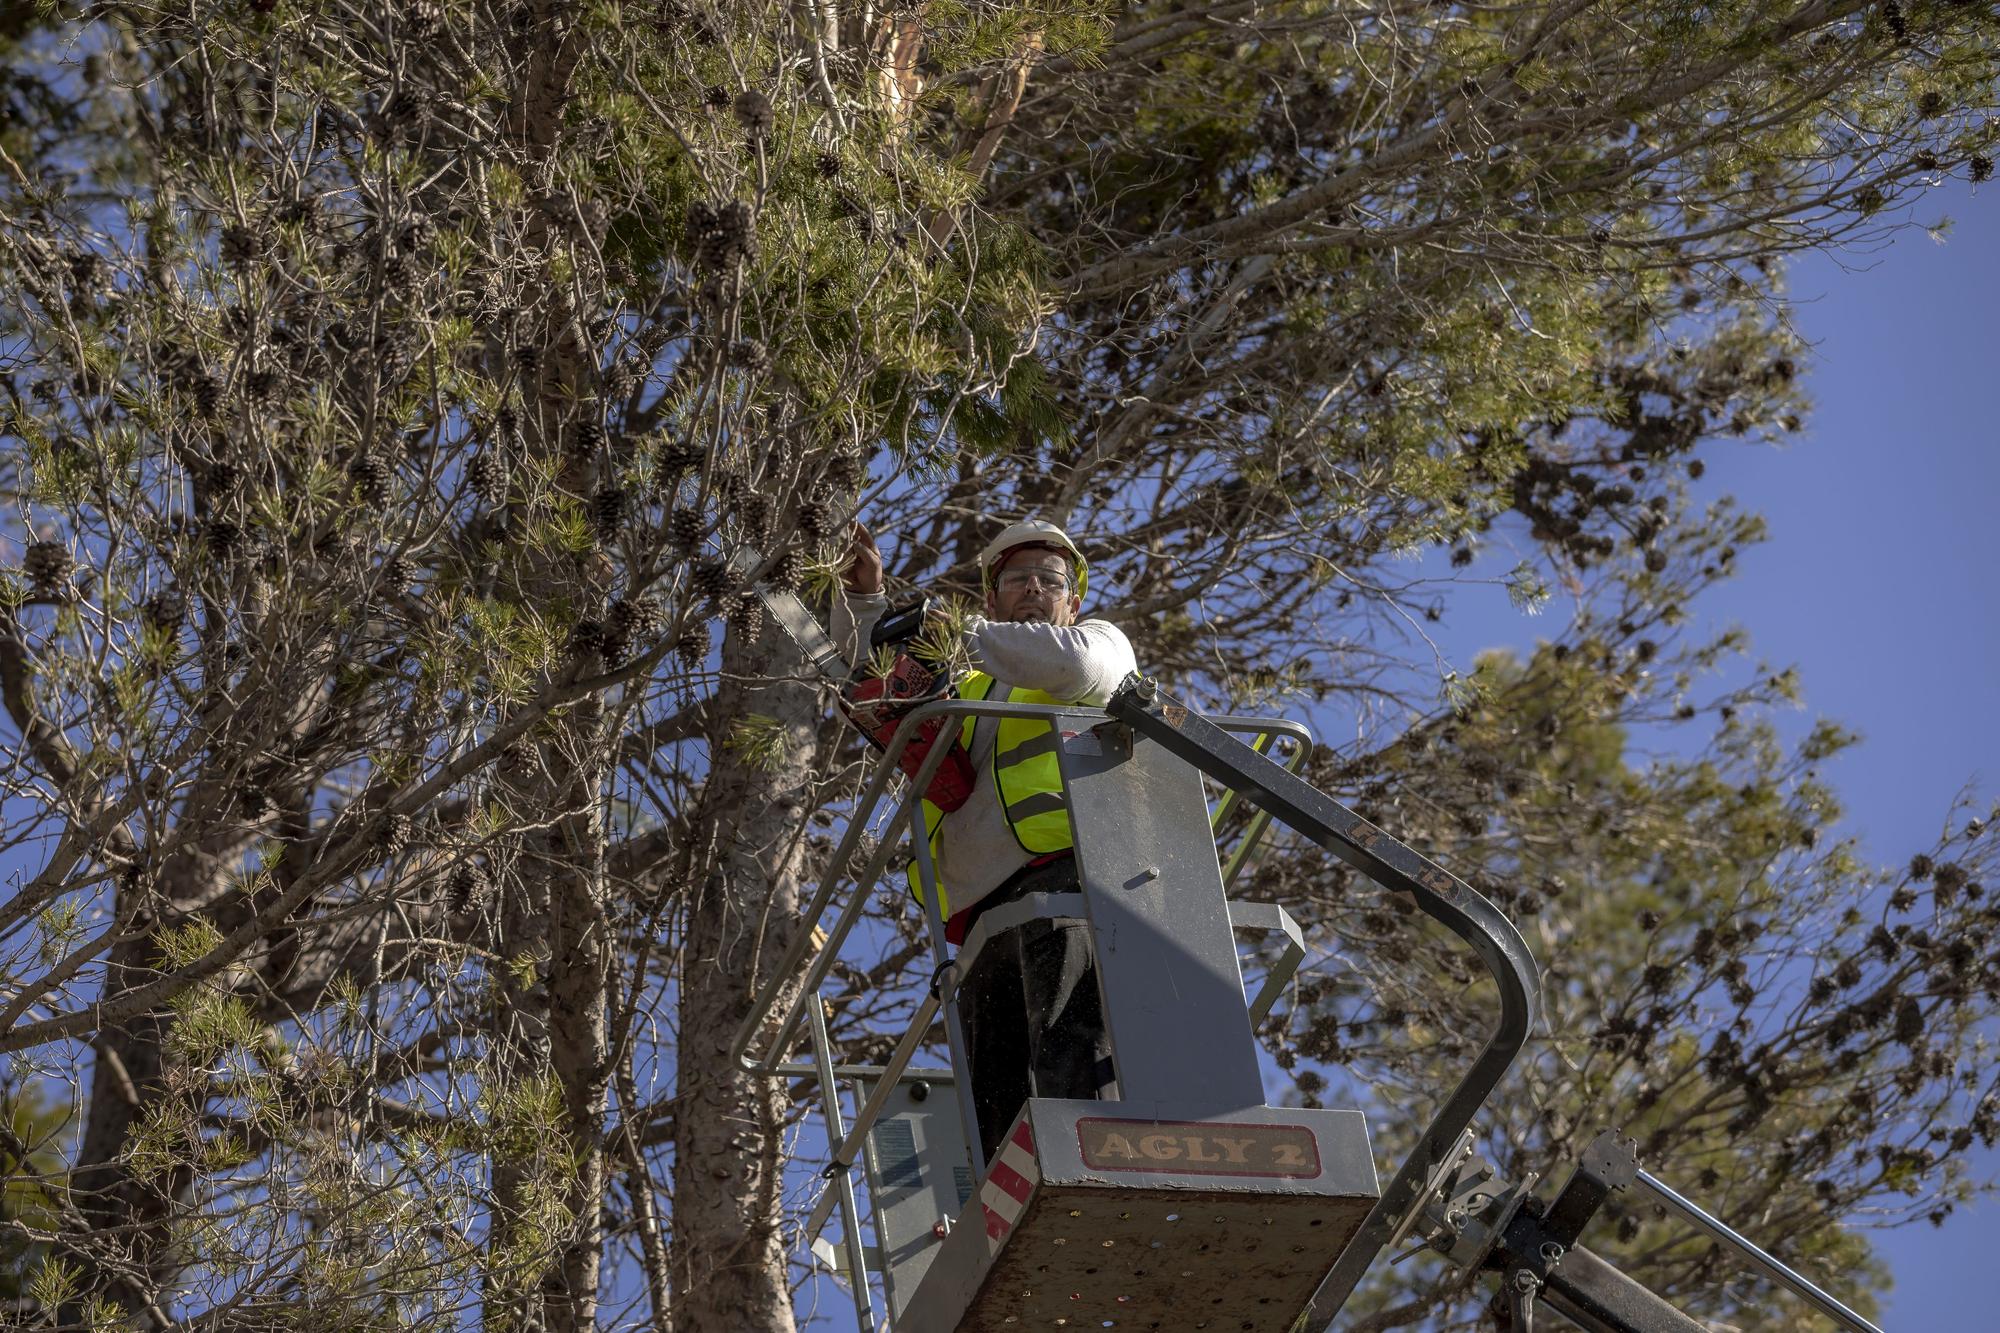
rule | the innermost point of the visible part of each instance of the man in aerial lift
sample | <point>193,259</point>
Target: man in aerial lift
<point>1030,1011</point>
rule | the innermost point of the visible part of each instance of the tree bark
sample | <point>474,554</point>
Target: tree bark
<point>122,1236</point>
<point>579,992</point>
<point>729,1254</point>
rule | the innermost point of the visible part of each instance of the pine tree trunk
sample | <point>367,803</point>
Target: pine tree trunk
<point>125,1247</point>
<point>128,1076</point>
<point>557,1020</point>
<point>729,1258</point>
<point>579,992</point>
<point>518,1047</point>
<point>551,1022</point>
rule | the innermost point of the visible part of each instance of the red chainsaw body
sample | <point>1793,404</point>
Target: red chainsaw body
<point>877,705</point>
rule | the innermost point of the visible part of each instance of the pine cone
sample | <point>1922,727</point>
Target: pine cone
<point>86,270</point>
<point>207,394</point>
<point>301,212</point>
<point>790,571</point>
<point>709,579</point>
<point>371,476</point>
<point>721,235</point>
<point>48,565</point>
<point>677,458</point>
<point>466,888</point>
<point>828,164</point>
<point>164,610</point>
<point>487,479</point>
<point>588,639</point>
<point>1909,1021</point>
<point>684,531</point>
<point>621,377</point>
<point>607,511</point>
<point>746,615</point>
<point>753,112</point>
<point>586,435</point>
<point>1946,881</point>
<point>755,516</point>
<point>401,270</point>
<point>750,354</point>
<point>395,834</point>
<point>844,471</point>
<point>692,646</point>
<point>527,357</point>
<point>222,537</point>
<point>240,245</point>
<point>421,20</point>
<point>656,336</point>
<point>223,477</point>
<point>715,98</point>
<point>416,237</point>
<point>636,621</point>
<point>260,387</point>
<point>399,576</point>
<point>1980,167</point>
<point>404,110</point>
<point>814,521</point>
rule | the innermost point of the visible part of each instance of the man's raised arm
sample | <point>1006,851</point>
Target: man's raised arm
<point>859,602</point>
<point>1082,663</point>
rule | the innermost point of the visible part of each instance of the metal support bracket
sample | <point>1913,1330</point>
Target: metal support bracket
<point>1270,917</point>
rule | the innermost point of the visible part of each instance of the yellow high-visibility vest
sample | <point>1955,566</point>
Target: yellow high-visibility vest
<point>1025,773</point>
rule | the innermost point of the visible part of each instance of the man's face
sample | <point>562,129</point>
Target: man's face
<point>1034,584</point>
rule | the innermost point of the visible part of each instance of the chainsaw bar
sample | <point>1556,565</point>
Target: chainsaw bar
<point>800,626</point>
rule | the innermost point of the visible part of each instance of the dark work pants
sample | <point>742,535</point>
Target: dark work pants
<point>1030,1011</point>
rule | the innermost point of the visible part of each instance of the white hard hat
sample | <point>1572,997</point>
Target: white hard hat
<point>1031,532</point>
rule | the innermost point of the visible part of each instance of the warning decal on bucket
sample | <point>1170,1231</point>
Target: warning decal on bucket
<point>1009,1183</point>
<point>1198,1148</point>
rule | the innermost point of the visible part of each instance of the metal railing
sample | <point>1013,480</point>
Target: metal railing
<point>911,816</point>
<point>1437,893</point>
<point>1753,1254</point>
<point>846,1141</point>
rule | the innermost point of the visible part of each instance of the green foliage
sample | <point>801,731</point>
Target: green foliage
<point>34,1178</point>
<point>760,741</point>
<point>1677,907</point>
<point>379,369</point>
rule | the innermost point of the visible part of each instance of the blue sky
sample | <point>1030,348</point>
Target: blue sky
<point>1880,581</point>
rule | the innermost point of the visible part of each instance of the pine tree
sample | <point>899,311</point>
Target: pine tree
<point>523,278</point>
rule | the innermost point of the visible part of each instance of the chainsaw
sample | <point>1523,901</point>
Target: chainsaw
<point>876,701</point>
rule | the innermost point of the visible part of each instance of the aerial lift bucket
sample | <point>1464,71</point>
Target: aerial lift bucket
<point>1186,1201</point>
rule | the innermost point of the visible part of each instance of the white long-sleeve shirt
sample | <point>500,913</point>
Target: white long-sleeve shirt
<point>1081,663</point>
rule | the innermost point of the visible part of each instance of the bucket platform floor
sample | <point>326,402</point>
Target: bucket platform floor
<point>1088,1258</point>
<point>1102,1215</point>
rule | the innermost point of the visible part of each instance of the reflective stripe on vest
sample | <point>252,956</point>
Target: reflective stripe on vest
<point>1026,775</point>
